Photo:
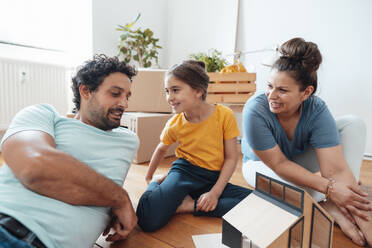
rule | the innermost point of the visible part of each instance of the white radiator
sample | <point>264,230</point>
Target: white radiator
<point>25,83</point>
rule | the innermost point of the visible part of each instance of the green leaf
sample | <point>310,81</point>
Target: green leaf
<point>137,18</point>
<point>135,43</point>
<point>124,50</point>
<point>213,60</point>
<point>123,36</point>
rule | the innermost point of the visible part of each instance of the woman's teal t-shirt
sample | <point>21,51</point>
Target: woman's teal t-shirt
<point>262,130</point>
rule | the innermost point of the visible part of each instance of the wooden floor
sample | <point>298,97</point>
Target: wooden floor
<point>178,232</point>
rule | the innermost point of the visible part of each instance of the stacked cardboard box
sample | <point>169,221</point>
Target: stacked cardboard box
<point>148,112</point>
<point>148,94</point>
<point>148,127</point>
<point>148,109</point>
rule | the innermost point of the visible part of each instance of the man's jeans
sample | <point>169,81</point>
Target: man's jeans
<point>8,241</point>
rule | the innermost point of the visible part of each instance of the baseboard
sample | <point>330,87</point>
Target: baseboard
<point>368,156</point>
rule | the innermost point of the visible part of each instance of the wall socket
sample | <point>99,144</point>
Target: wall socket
<point>23,76</point>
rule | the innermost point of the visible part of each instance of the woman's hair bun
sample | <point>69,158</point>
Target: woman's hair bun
<point>302,52</point>
<point>195,62</point>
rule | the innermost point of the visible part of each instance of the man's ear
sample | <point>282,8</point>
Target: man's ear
<point>307,92</point>
<point>84,91</point>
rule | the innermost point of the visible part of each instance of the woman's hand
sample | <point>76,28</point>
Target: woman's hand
<point>207,202</point>
<point>350,197</point>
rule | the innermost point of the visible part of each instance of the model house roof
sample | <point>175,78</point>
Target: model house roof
<point>277,214</point>
<point>260,220</point>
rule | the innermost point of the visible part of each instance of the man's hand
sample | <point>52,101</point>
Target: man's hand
<point>123,222</point>
<point>207,202</point>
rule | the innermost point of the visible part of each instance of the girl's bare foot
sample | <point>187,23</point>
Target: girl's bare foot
<point>187,206</point>
<point>347,227</point>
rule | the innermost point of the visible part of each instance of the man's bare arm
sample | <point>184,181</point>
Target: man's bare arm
<point>35,161</point>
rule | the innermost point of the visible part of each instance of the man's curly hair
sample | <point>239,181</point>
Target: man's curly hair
<point>93,72</point>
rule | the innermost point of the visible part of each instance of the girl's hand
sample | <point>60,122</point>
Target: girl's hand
<point>156,178</point>
<point>148,179</point>
<point>207,202</point>
<point>350,197</point>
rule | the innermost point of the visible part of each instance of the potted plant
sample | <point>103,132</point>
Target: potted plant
<point>139,45</point>
<point>213,60</point>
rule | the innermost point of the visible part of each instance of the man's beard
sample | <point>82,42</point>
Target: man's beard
<point>100,118</point>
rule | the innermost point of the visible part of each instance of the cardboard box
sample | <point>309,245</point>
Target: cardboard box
<point>148,127</point>
<point>148,94</point>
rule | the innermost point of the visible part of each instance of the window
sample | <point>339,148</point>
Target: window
<point>287,194</point>
<point>296,234</point>
<point>293,197</point>
<point>59,30</point>
<point>321,227</point>
<point>277,190</point>
<point>263,184</point>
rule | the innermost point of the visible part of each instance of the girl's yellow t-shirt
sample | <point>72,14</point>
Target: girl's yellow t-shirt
<point>202,143</point>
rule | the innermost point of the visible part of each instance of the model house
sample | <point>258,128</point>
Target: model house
<point>277,215</point>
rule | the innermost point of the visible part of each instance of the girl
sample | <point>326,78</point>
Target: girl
<point>290,135</point>
<point>207,154</point>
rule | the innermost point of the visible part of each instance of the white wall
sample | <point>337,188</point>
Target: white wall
<point>183,26</point>
<point>342,30</point>
<point>107,15</point>
<point>197,26</point>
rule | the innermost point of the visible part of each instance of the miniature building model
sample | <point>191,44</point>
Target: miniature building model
<point>276,214</point>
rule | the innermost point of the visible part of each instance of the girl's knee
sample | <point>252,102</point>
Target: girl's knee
<point>149,225</point>
<point>148,219</point>
<point>151,216</point>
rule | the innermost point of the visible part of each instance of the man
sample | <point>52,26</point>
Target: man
<point>62,178</point>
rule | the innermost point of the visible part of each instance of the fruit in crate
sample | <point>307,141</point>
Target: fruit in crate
<point>236,67</point>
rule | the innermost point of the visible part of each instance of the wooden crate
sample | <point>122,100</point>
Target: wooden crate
<point>236,87</point>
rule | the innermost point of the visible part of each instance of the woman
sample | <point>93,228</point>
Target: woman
<point>290,135</point>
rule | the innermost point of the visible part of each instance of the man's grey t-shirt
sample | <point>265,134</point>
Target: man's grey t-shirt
<point>262,130</point>
<point>58,224</point>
